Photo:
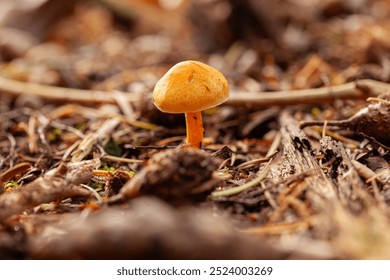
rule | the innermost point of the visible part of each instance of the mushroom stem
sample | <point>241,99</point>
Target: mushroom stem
<point>195,129</point>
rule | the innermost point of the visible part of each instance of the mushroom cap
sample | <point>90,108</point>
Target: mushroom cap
<point>190,86</point>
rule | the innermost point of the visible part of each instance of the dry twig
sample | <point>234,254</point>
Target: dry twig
<point>359,89</point>
<point>58,183</point>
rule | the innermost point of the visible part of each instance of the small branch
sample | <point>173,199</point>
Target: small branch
<point>149,147</point>
<point>59,183</point>
<point>359,89</point>
<point>122,159</point>
<point>59,94</point>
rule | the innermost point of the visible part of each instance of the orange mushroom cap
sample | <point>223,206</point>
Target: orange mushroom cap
<point>190,86</point>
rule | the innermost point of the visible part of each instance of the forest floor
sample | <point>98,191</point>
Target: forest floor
<point>294,165</point>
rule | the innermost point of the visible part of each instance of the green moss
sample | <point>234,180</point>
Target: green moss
<point>54,134</point>
<point>11,185</point>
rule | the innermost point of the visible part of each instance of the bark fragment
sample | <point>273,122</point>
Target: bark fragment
<point>58,183</point>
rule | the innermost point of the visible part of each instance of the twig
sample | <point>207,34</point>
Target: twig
<point>280,228</point>
<point>122,159</point>
<point>254,162</point>
<point>150,147</point>
<point>12,142</point>
<point>360,89</point>
<point>93,191</point>
<point>58,183</point>
<point>275,144</point>
<point>121,100</point>
<point>376,176</point>
<point>330,133</point>
<point>289,198</point>
<point>59,94</point>
<point>32,136</point>
<point>91,139</point>
<point>245,186</point>
<point>251,163</point>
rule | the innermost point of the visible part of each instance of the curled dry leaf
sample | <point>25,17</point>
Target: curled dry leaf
<point>372,122</point>
<point>13,172</point>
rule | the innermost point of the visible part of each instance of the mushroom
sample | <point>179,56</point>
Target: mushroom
<point>190,87</point>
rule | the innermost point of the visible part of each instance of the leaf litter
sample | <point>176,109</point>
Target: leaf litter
<point>90,167</point>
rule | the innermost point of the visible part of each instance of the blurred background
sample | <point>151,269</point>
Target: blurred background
<point>259,45</point>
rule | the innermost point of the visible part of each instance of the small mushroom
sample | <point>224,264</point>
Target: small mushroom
<point>190,87</point>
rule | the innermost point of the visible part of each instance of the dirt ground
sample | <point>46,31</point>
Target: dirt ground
<point>294,165</point>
